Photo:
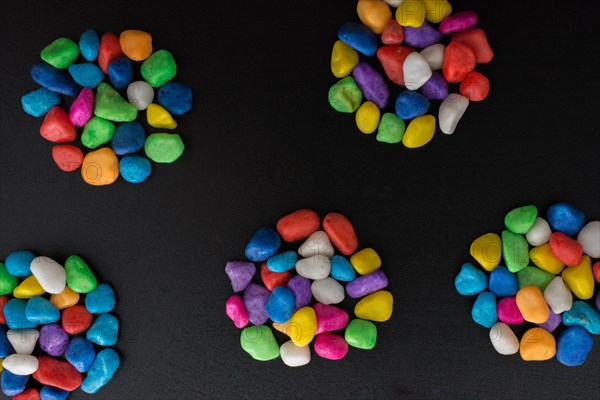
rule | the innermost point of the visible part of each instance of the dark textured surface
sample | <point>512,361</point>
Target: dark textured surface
<point>261,142</point>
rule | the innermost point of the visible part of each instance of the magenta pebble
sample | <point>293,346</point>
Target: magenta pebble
<point>458,22</point>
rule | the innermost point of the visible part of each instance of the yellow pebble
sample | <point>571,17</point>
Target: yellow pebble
<point>487,250</point>
<point>437,10</point>
<point>377,306</point>
<point>65,299</point>
<point>374,14</point>
<point>343,59</point>
<point>543,258</point>
<point>100,167</point>
<point>367,117</point>
<point>580,279</point>
<point>365,261</point>
<point>411,13</point>
<point>30,287</point>
<point>301,327</point>
<point>419,132</point>
<point>537,344</point>
<point>158,117</point>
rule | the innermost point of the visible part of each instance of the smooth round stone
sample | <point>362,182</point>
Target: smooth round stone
<point>129,137</point>
<point>13,385</point>
<point>459,62</point>
<point>280,305</point>
<point>330,318</point>
<point>82,108</point>
<point>359,37</point>
<point>101,299</point>
<point>521,219</point>
<point>175,97</point>
<point>365,261</point>
<point>100,167</point>
<point>240,274</point>
<point>391,129</point>
<point>159,117</point>
<point>20,364</point>
<point>273,279</point>
<point>89,44</point>
<point>553,322</point>
<point>451,111</point>
<point>539,233</point>
<point>416,71</point>
<point>38,102</point>
<point>434,55</point>
<point>53,393</point>
<point>76,319</point>
<point>421,37</point>
<point>584,315</point>
<point>341,269</point>
<point>343,59</point>
<point>508,311</point>
<point>345,96</point>
<point>367,117</point>
<point>159,68</point>
<point>503,283</point>
<point>515,250</point>
<point>54,80</point>
<point>534,276</point>
<point>8,282</point>
<point>111,106</point>
<point>259,342</point>
<point>470,280</point>
<point>411,13</point>
<point>573,346</point>
<point>589,239</point>
<point>28,288</point>
<point>392,60</point>
<point>376,307</point>
<point>23,340</point>
<point>316,267</point>
<point>300,286</point>
<point>436,88</point>
<point>57,126</point>
<point>102,370</point>
<point>374,14</point>
<point>503,339</point>
<point>317,243</point>
<point>393,33</point>
<point>543,258</point>
<point>484,310</point>
<point>565,218</point>
<point>331,346</point>
<point>5,345</point>
<point>532,304</point>
<point>235,310</point>
<point>475,87</point>
<point>164,147</point>
<point>50,274</point>
<point>458,21</point>
<point>134,168</point>
<point>371,84</point>
<point>86,74</point>
<point>537,344</point>
<point>367,284</point>
<point>53,340</point>
<point>140,94</point>
<point>341,233</point>
<point>437,10</point>
<point>283,261</point>
<point>41,311</point>
<point>104,330</point>
<point>565,249</point>
<point>120,72</point>
<point>361,334</point>
<point>255,301</point>
<point>487,251</point>
<point>136,44</point>
<point>411,104</point>
<point>108,51</point>
<point>61,53</point>
<point>301,327</point>
<point>328,291</point>
<point>298,225</point>
<point>96,132</point>
<point>476,39</point>
<point>17,263</point>
<point>294,356</point>
<point>419,132</point>
<point>264,244</point>
<point>558,296</point>
<point>580,279</point>
<point>57,373</point>
<point>3,301</point>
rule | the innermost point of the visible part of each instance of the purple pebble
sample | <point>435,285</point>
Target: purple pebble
<point>371,84</point>
<point>458,22</point>
<point>367,284</point>
<point>300,286</point>
<point>554,320</point>
<point>54,340</point>
<point>240,273</point>
<point>421,37</point>
<point>255,301</point>
<point>436,88</point>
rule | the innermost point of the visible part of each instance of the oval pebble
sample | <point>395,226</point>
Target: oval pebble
<point>508,311</point>
<point>565,249</point>
<point>102,370</point>
<point>301,327</point>
<point>136,44</point>
<point>367,117</point>
<point>327,291</point>
<point>273,279</point>
<point>580,279</point>
<point>50,274</point>
<point>134,168</point>
<point>280,305</point>
<point>458,21</point>
<point>100,167</point>
<point>101,299</point>
<point>57,373</point>
<point>13,385</point>
<point>375,14</point>
<point>330,318</point>
<point>367,284</point>
<point>53,340</point>
<point>38,102</point>
<point>345,96</point>
<point>60,53</point>
<point>584,315</point>
<point>283,261</point>
<point>543,258</point>
<point>120,72</point>
<point>484,310</point>
<point>470,280</point>
<point>89,44</point>
<point>80,354</point>
<point>359,37</point>
<point>459,61</point>
<point>589,239</point>
<point>109,50</point>
<point>259,342</point>
<point>573,346</point>
<point>294,356</point>
<point>421,37</point>
<point>532,304</point>
<point>539,233</point>
<point>416,71</point>
<point>343,59</point>
<point>164,147</point>
<point>451,111</point>
<point>82,108</point>
<point>475,87</point>
<point>341,269</point>
<point>393,33</point>
<point>255,300</point>
<point>20,364</point>
<point>298,225</point>
<point>96,132</point>
<point>104,330</point>
<point>503,283</point>
<point>341,233</point>
<point>436,88</point>
<point>376,307</point>
<point>54,80</point>
<point>175,97</point>
<point>86,74</point>
<point>41,311</point>
<point>537,344</point>
<point>300,286</point>
<point>391,129</point>
<point>361,334</point>
<point>159,68</point>
<point>419,132</point>
<point>411,104</point>
<point>371,84</point>
<point>503,339</point>
<point>558,296</point>
<point>234,307</point>
<point>411,13</point>
<point>140,94</point>
<point>18,262</point>
<point>331,346</point>
<point>264,244</point>
<point>565,218</point>
<point>129,137</point>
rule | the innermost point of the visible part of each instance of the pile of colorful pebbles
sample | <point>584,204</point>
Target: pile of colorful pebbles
<point>287,299</point>
<point>547,279</point>
<point>412,54</point>
<point>42,303</point>
<point>98,106</point>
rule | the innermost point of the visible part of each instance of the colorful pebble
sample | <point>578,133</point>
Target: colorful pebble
<point>164,147</point>
<point>259,342</point>
<point>343,59</point>
<point>484,310</point>
<point>89,44</point>
<point>367,117</point>
<point>134,168</point>
<point>38,102</point>
<point>345,96</point>
<point>86,74</point>
<point>391,129</point>
<point>159,68</point>
<point>451,111</point>
<point>175,97</point>
<point>359,37</point>
<point>573,346</point>
<point>100,167</point>
<point>54,80</point>
<point>331,346</point>
<point>537,344</point>
<point>361,334</point>
<point>470,280</point>
<point>419,132</point>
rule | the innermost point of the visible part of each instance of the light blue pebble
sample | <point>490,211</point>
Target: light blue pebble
<point>104,330</point>
<point>573,346</point>
<point>341,269</point>
<point>565,218</point>
<point>263,245</point>
<point>104,367</point>
<point>89,44</point>
<point>283,261</point>
<point>503,283</point>
<point>53,393</point>
<point>135,168</point>
<point>120,71</point>
<point>53,79</point>
<point>470,280</point>
<point>6,348</point>
<point>87,74</point>
<point>14,312</point>
<point>39,102</point>
<point>100,300</point>
<point>41,311</point>
<point>18,262</point>
<point>280,305</point>
<point>129,137</point>
<point>80,353</point>
<point>175,97</point>
<point>359,37</point>
<point>411,104</point>
<point>484,310</point>
<point>13,384</point>
<point>584,315</point>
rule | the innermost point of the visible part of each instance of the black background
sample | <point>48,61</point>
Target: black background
<point>262,141</point>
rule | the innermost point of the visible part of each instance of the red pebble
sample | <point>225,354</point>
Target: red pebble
<point>393,33</point>
<point>57,126</point>
<point>596,269</point>
<point>3,301</point>
<point>341,233</point>
<point>476,39</point>
<point>298,225</point>
<point>67,157</point>
<point>76,319</point>
<point>235,310</point>
<point>567,250</point>
<point>475,87</point>
<point>392,59</point>
<point>109,50</point>
<point>28,394</point>
<point>57,373</point>
<point>273,279</point>
<point>459,61</point>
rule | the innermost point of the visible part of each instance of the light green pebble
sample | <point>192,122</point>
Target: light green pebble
<point>515,251</point>
<point>8,283</point>
<point>520,220</point>
<point>259,342</point>
<point>345,96</point>
<point>391,129</point>
<point>164,147</point>
<point>111,106</point>
<point>80,277</point>
<point>61,53</point>
<point>159,68</point>
<point>535,277</point>
<point>361,334</point>
<point>96,132</point>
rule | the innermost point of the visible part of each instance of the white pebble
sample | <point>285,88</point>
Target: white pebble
<point>503,339</point>
<point>451,111</point>
<point>589,238</point>
<point>317,243</point>
<point>558,296</point>
<point>316,267</point>
<point>50,274</point>
<point>294,356</point>
<point>434,55</point>
<point>539,233</point>
<point>23,340</point>
<point>327,291</point>
<point>20,364</point>
<point>416,71</point>
<point>394,3</point>
<point>140,94</point>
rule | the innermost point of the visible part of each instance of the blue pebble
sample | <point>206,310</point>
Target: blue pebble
<point>470,280</point>
<point>41,311</point>
<point>503,283</point>
<point>283,261</point>
<point>341,269</point>
<point>14,312</point>
<point>359,37</point>
<point>104,330</point>
<point>13,384</point>
<point>18,262</point>
<point>89,44</point>
<point>280,305</point>
<point>6,348</point>
<point>134,168</point>
<point>263,245</point>
<point>411,104</point>
<point>53,79</point>
<point>120,72</point>
<point>53,393</point>
<point>584,315</point>
<point>100,300</point>
<point>104,367</point>
<point>175,97</point>
<point>80,353</point>
<point>129,137</point>
<point>484,310</point>
<point>565,218</point>
<point>87,74</point>
<point>39,102</point>
<point>573,346</point>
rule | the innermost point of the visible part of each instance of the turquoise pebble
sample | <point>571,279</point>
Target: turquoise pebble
<point>341,269</point>
<point>120,72</point>
<point>102,370</point>
<point>17,263</point>
<point>38,102</point>
<point>87,74</point>
<point>89,44</point>
<point>280,305</point>
<point>14,312</point>
<point>80,353</point>
<point>55,80</point>
<point>484,310</point>
<point>13,384</point>
<point>175,97</point>
<point>503,283</point>
<point>263,245</point>
<point>53,393</point>
<point>134,168</point>
<point>41,311</point>
<point>470,280</point>
<point>100,300</point>
<point>129,137</point>
<point>6,348</point>
<point>359,37</point>
<point>104,330</point>
<point>573,346</point>
<point>411,104</point>
<point>283,261</point>
<point>584,315</point>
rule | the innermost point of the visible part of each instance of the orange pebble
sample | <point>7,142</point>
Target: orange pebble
<point>65,299</point>
<point>137,45</point>
<point>100,167</point>
<point>374,14</point>
<point>532,304</point>
<point>537,344</point>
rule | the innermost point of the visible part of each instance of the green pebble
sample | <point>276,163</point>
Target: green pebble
<point>164,147</point>
<point>361,334</point>
<point>259,342</point>
<point>159,68</point>
<point>391,129</point>
<point>520,220</point>
<point>515,251</point>
<point>110,105</point>
<point>80,277</point>
<point>96,132</point>
<point>535,277</point>
<point>61,53</point>
<point>8,283</point>
<point>345,96</point>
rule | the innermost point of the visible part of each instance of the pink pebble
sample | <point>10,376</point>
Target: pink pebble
<point>458,22</point>
<point>508,312</point>
<point>82,108</point>
<point>330,318</point>
<point>234,307</point>
<point>331,346</point>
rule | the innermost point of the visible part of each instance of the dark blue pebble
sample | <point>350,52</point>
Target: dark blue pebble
<point>359,37</point>
<point>13,384</point>
<point>175,97</point>
<point>6,348</point>
<point>129,137</point>
<point>80,353</point>
<point>264,244</point>
<point>573,346</point>
<point>411,104</point>
<point>53,79</point>
<point>53,393</point>
<point>120,72</point>
<point>503,283</point>
<point>565,218</point>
